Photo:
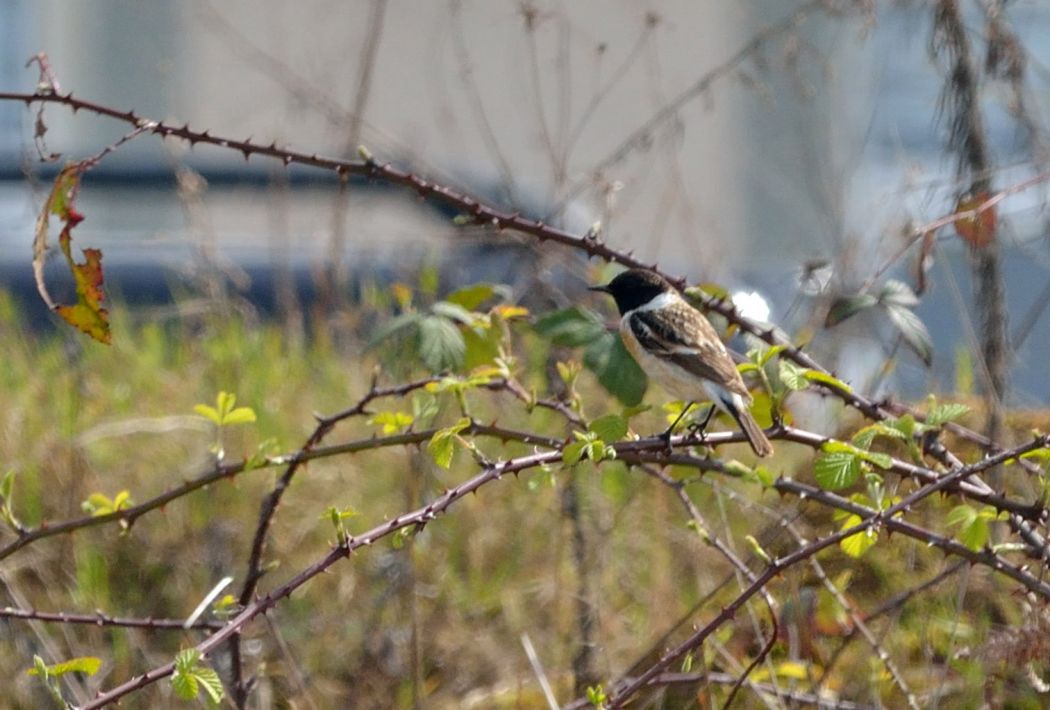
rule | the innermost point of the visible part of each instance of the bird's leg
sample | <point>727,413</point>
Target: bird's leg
<point>702,426</point>
<point>666,436</point>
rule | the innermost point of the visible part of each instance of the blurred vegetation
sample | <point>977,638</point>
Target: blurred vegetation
<point>439,615</point>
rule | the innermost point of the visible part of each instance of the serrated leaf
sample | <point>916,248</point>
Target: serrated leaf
<point>973,525</point>
<point>424,408</point>
<point>441,345</point>
<point>84,664</point>
<point>609,428</point>
<point>898,293</point>
<point>942,413</point>
<point>404,324</point>
<point>615,369</point>
<point>836,470</point>
<point>453,311</point>
<point>913,330</point>
<point>792,375</point>
<point>443,444</point>
<point>471,297</point>
<point>184,685</point>
<point>905,424</point>
<point>209,680</point>
<point>571,327</point>
<point>845,307</point>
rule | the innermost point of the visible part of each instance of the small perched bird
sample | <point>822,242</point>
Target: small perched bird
<point>676,346</point>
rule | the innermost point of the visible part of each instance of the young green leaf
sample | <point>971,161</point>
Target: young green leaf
<point>471,297</point>
<point>88,665</point>
<point>824,378</point>
<point>972,524</point>
<point>443,444</point>
<point>947,412</point>
<point>793,376</point>
<point>836,470</point>
<point>856,545</point>
<point>609,428</point>
<point>391,422</point>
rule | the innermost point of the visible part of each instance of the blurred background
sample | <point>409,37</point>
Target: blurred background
<point>787,151</point>
<point>761,145</point>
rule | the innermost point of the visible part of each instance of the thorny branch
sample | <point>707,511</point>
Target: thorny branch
<point>957,478</point>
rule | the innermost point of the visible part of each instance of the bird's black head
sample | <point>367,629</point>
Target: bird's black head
<point>634,288</point>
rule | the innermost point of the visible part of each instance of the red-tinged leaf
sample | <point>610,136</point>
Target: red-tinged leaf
<point>977,230</point>
<point>87,314</point>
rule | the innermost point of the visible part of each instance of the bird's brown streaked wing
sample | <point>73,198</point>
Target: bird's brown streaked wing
<point>682,336</point>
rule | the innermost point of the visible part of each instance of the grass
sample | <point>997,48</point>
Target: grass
<point>442,618</point>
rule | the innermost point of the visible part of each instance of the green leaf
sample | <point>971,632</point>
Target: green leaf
<point>898,293</point>
<point>240,415</point>
<point>209,413</point>
<point>453,312</point>
<point>856,545</point>
<point>913,330</point>
<point>847,306</point>
<point>184,685</point>
<point>837,470</point>
<point>424,408</point>
<point>122,500</point>
<point>443,444</point>
<point>792,375</point>
<point>572,453</point>
<point>400,326</point>
<point>972,524</point>
<point>764,476</point>
<point>609,428</point>
<point>84,664</point>
<point>441,345</point>
<point>7,484</point>
<point>209,680</point>
<point>826,379</point>
<point>571,327</point>
<point>865,437</point>
<point>764,356</point>
<point>615,369</point>
<point>948,412</point>
<point>391,422</point>
<point>471,297</point>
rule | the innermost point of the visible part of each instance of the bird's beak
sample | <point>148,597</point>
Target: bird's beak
<point>603,289</point>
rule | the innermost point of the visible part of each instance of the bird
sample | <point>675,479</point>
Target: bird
<point>677,346</point>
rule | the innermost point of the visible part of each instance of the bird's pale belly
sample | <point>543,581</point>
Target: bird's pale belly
<point>672,378</point>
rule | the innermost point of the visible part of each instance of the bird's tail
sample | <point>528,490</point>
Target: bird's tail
<point>755,436</point>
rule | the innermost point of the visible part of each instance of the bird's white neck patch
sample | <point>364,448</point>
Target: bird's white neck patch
<point>665,299</point>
